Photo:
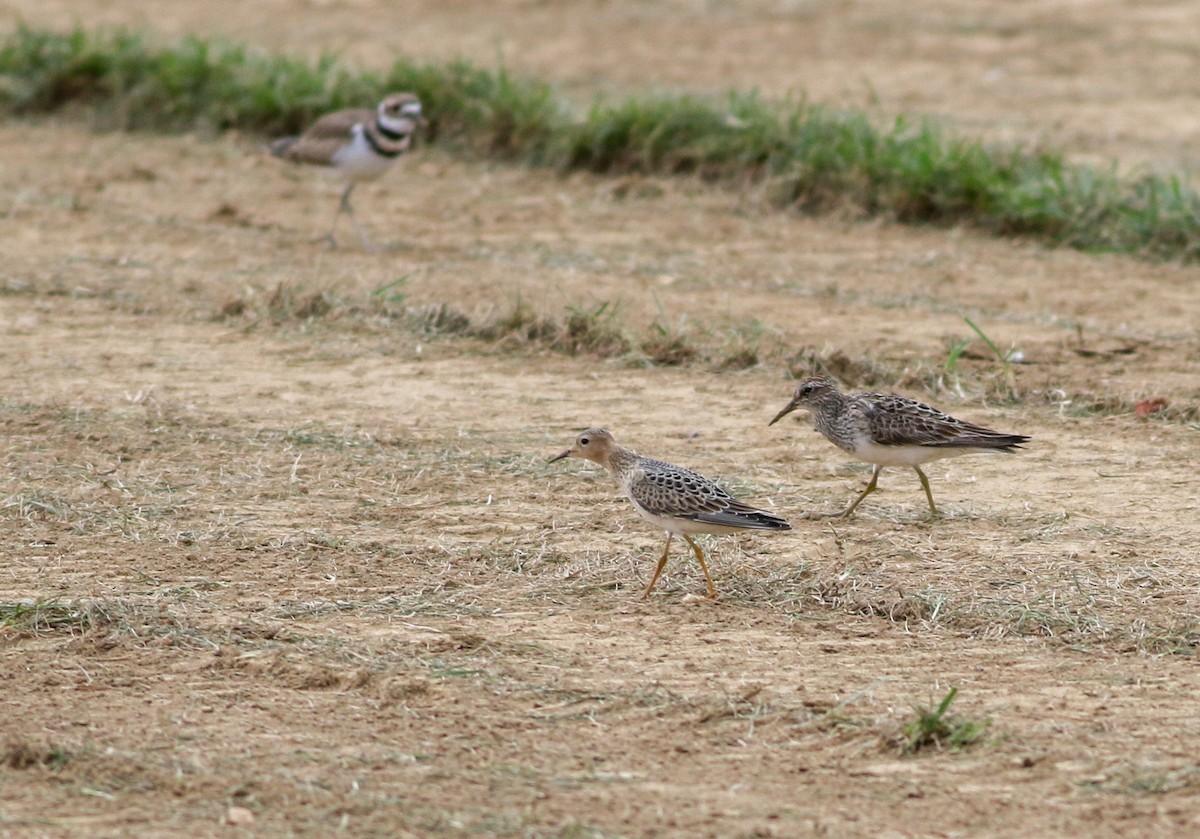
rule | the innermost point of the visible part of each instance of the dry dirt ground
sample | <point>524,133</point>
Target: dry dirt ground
<point>277,562</point>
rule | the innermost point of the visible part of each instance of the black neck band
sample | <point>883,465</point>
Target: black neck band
<point>381,150</point>
<point>387,132</point>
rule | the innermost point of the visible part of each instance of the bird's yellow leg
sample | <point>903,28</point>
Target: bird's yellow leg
<point>662,562</point>
<point>712,589</point>
<point>870,488</point>
<point>928,493</point>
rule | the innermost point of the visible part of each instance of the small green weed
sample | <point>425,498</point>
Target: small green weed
<point>1004,373</point>
<point>392,294</point>
<point>957,346</point>
<point>1005,357</point>
<point>936,728</point>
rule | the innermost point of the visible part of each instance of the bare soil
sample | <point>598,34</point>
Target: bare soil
<point>275,562</point>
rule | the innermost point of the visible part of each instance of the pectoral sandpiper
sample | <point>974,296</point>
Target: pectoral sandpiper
<point>676,499</point>
<point>356,145</point>
<point>884,429</point>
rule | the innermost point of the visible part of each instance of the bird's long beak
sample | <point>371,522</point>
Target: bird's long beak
<point>559,457</point>
<point>791,406</point>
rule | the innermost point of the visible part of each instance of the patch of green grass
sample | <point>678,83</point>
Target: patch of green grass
<point>289,304</point>
<point>519,325</point>
<point>392,294</point>
<point>21,754</point>
<point>745,346</point>
<point>811,158</point>
<point>286,303</point>
<point>438,319</point>
<point>1178,637</point>
<point>599,329</point>
<point>594,330</point>
<point>851,372</point>
<point>1144,780</point>
<point>938,729</point>
<point>1108,404</point>
<point>100,622</point>
<point>40,616</point>
<point>1075,611</point>
<point>35,504</point>
<point>666,344</point>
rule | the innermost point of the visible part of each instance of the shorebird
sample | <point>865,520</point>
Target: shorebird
<point>356,145</point>
<point>884,429</point>
<point>678,500</point>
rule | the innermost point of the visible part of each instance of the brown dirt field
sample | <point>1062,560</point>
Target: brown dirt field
<point>277,563</point>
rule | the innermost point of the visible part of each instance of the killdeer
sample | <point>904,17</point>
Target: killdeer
<point>676,499</point>
<point>356,145</point>
<point>884,429</point>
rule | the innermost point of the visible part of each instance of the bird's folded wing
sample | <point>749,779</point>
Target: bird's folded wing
<point>678,492</point>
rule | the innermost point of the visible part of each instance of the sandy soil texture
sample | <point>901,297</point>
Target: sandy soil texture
<point>277,560</point>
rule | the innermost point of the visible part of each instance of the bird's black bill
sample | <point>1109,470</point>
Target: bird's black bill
<point>791,407</point>
<point>558,457</point>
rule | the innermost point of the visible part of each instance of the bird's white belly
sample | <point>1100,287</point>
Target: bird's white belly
<point>879,455</point>
<point>359,162</point>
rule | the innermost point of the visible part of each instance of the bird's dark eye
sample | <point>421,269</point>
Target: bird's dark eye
<point>805,390</point>
<point>583,441</point>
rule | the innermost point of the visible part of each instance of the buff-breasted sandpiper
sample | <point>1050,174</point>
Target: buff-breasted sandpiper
<point>678,500</point>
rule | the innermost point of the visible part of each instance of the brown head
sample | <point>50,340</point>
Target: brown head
<point>810,392</point>
<point>595,444</point>
<point>400,113</point>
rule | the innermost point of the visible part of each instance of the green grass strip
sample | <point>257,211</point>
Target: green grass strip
<point>810,157</point>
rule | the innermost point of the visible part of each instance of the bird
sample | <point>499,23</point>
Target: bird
<point>678,500</point>
<point>885,429</point>
<point>356,145</point>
